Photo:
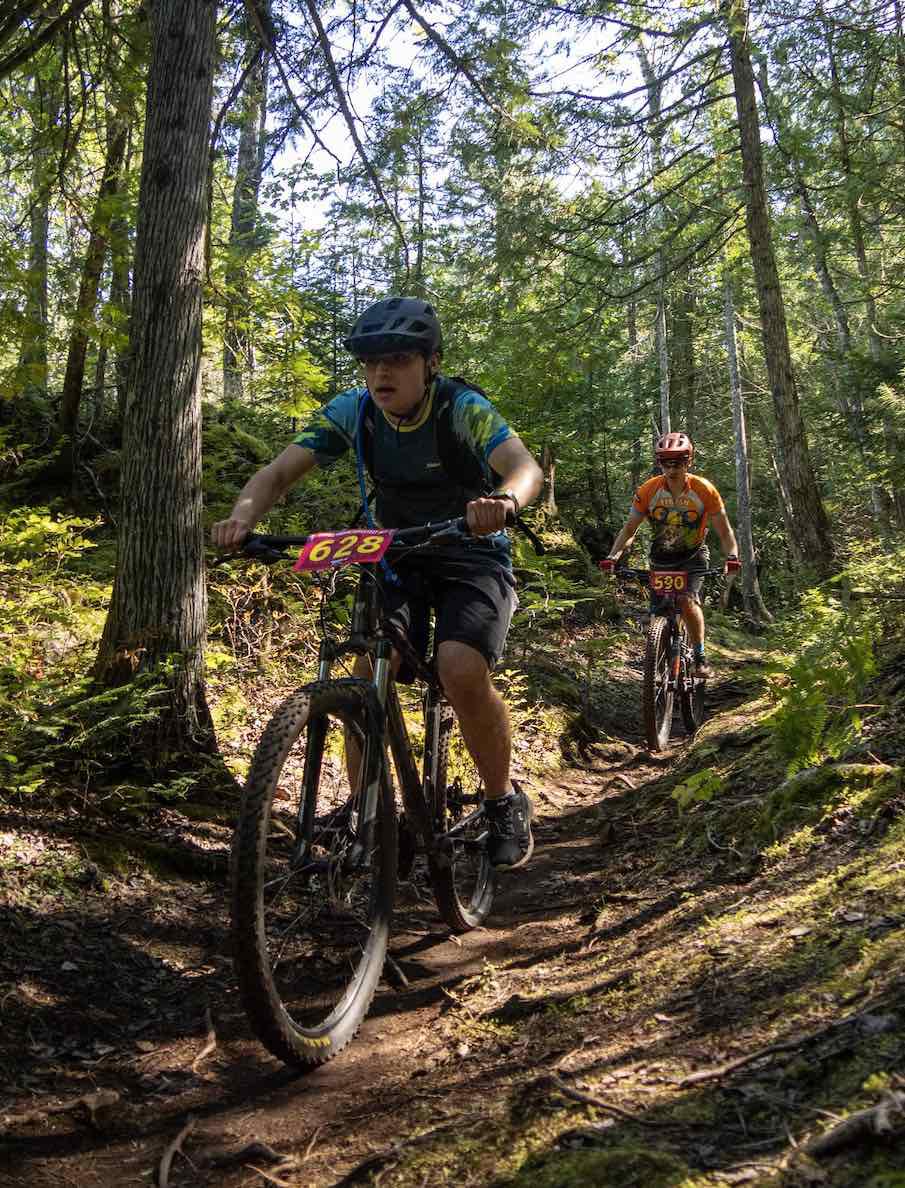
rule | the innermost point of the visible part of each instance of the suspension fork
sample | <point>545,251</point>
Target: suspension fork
<point>316,734</point>
<point>433,717</point>
<point>413,799</point>
<point>675,651</point>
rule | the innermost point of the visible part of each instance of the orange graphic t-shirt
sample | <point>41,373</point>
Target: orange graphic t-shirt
<point>679,523</point>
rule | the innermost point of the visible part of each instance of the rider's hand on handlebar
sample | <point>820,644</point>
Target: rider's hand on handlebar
<point>487,514</point>
<point>228,535</point>
<point>608,564</point>
<point>733,565</point>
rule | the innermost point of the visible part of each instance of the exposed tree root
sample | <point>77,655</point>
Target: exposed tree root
<point>885,1120</point>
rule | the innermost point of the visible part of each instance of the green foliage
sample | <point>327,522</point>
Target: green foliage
<point>698,788</point>
<point>819,683</point>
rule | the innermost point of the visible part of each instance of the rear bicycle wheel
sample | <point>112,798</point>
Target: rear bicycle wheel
<point>311,905</point>
<point>657,698</point>
<point>463,880</point>
<point>691,691</point>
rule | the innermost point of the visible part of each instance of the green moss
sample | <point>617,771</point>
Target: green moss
<point>621,1167</point>
<point>816,794</point>
<point>110,855</point>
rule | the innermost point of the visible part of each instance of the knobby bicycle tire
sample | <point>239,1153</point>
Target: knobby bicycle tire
<point>691,695</point>
<point>657,699</point>
<point>462,877</point>
<point>310,926</point>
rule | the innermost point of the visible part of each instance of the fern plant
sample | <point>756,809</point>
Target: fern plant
<point>820,683</point>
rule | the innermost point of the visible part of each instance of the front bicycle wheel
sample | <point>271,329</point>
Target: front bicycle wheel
<point>312,885</point>
<point>657,695</point>
<point>461,875</point>
<point>691,692</point>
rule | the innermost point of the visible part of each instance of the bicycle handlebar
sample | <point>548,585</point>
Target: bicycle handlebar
<point>643,575</point>
<point>260,546</point>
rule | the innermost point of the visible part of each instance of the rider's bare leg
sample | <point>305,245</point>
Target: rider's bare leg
<point>694,620</point>
<point>482,713</point>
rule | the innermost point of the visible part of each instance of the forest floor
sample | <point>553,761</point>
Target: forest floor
<point>649,1003</point>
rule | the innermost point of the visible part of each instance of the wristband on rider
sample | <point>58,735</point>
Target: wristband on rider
<point>508,494</point>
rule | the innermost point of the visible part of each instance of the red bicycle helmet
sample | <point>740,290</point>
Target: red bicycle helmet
<point>675,445</point>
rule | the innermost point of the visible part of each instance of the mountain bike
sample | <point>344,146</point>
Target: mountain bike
<point>668,658</point>
<point>317,847</point>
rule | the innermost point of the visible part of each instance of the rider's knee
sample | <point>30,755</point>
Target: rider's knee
<point>462,670</point>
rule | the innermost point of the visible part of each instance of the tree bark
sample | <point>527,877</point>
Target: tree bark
<point>238,342</point>
<point>86,302</point>
<point>754,603</point>
<point>810,524</point>
<point>33,348</point>
<point>654,89</point>
<point>158,608</point>
<point>548,465</point>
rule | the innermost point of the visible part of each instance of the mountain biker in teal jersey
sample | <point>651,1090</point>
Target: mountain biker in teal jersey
<point>435,449</point>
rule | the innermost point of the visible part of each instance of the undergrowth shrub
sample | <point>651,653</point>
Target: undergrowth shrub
<point>827,656</point>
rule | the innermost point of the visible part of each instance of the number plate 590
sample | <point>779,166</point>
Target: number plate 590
<point>665,581</point>
<point>352,546</point>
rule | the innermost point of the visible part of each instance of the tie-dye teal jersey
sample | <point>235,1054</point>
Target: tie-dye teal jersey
<point>412,486</point>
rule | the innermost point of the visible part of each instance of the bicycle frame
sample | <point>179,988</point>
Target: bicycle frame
<point>366,637</point>
<point>673,676</point>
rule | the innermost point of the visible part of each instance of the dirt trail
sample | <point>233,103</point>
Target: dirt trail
<point>115,995</point>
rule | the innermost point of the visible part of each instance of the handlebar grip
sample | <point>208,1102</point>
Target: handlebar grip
<point>257,550</point>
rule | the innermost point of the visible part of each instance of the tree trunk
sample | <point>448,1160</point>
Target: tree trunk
<point>92,267</point>
<point>548,465</point>
<point>814,543</point>
<point>846,384</point>
<point>654,89</point>
<point>33,349</point>
<point>638,415</point>
<point>238,343</point>
<point>754,603</point>
<point>683,377</point>
<point>158,608</point>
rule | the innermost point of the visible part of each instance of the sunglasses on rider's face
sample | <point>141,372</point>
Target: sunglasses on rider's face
<point>394,359</point>
<point>673,461</point>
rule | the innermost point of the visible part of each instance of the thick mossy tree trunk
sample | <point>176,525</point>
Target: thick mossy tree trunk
<point>811,527</point>
<point>158,609</point>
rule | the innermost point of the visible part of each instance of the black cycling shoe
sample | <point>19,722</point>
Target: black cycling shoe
<point>510,842</point>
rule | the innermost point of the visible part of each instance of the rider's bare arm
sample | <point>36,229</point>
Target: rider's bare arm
<point>727,536</point>
<point>520,474</point>
<point>626,536</point>
<point>260,493</point>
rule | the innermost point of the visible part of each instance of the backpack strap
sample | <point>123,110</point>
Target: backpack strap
<point>462,464</point>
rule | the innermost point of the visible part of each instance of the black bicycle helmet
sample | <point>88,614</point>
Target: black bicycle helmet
<point>395,324</point>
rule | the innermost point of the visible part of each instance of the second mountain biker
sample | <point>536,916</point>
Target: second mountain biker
<point>404,424</point>
<point>678,505</point>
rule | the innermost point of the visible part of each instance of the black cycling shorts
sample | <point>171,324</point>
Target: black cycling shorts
<point>473,597</point>
<point>693,564</point>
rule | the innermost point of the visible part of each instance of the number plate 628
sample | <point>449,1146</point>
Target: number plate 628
<point>352,546</point>
<point>665,581</point>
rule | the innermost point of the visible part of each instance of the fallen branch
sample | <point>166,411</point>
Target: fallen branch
<point>255,1149</point>
<point>166,1160</point>
<point>884,1120</point>
<point>720,1070</point>
<point>589,1099</point>
<point>102,1099</point>
<point>396,971</point>
<point>210,1043</point>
